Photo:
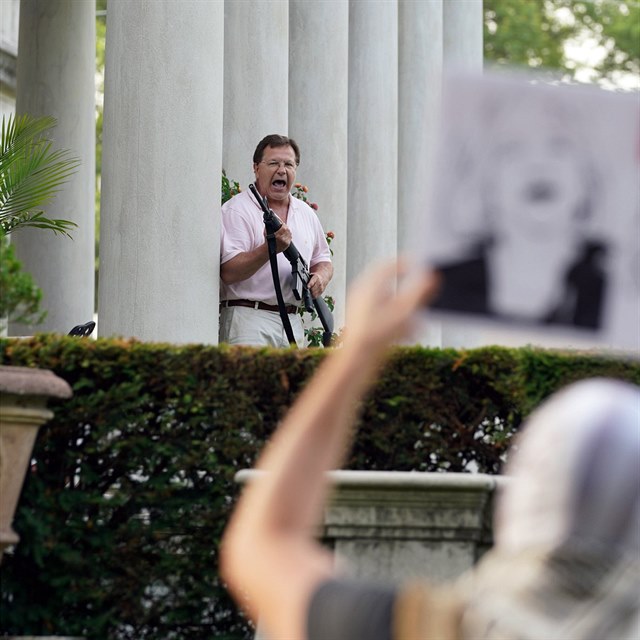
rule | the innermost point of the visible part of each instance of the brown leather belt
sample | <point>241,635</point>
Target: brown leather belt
<point>290,308</point>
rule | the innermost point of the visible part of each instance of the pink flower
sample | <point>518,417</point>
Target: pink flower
<point>331,235</point>
<point>305,189</point>
<point>313,205</point>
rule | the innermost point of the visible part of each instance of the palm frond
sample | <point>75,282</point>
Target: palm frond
<point>31,173</point>
<point>37,219</point>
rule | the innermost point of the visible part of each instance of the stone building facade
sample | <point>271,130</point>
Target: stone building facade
<point>190,87</point>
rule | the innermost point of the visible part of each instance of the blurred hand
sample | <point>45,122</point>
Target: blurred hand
<point>383,302</point>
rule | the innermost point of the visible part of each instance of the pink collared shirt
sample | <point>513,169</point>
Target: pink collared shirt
<point>243,230</point>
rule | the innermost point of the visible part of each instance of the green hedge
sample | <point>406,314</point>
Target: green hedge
<point>132,481</point>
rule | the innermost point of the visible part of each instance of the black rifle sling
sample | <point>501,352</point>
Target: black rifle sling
<point>273,260</point>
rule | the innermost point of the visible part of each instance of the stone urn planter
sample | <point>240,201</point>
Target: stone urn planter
<point>23,398</point>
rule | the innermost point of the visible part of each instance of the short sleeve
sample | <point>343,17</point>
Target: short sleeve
<point>351,610</point>
<point>237,234</point>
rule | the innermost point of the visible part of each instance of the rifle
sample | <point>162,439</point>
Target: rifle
<point>299,271</point>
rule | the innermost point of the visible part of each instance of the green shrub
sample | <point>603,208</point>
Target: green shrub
<point>20,295</point>
<point>132,481</point>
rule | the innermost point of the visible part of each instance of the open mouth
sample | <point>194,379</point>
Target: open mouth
<point>541,192</point>
<point>279,184</point>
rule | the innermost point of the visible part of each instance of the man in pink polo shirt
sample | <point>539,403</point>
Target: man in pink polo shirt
<point>248,305</point>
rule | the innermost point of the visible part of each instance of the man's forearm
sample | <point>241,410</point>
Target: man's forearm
<point>244,265</point>
<point>323,272</point>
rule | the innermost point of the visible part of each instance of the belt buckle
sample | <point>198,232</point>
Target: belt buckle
<point>256,305</point>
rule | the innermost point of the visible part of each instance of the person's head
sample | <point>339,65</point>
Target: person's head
<point>540,177</point>
<point>566,559</point>
<point>575,475</point>
<point>275,161</point>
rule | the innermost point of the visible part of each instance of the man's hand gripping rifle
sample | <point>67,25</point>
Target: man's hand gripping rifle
<point>299,271</point>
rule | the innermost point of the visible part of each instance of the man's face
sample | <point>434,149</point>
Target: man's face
<point>538,174</point>
<point>540,186</point>
<point>276,172</point>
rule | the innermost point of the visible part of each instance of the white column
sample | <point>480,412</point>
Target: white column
<point>55,76</point>
<point>419,83</point>
<point>318,107</point>
<point>463,20</point>
<point>256,54</point>
<point>420,45</point>
<point>9,25</point>
<point>159,249</point>
<point>373,133</point>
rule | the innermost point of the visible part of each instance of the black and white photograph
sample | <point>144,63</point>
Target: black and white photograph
<point>534,217</point>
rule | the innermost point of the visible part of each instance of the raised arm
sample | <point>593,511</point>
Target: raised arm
<point>269,556</point>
